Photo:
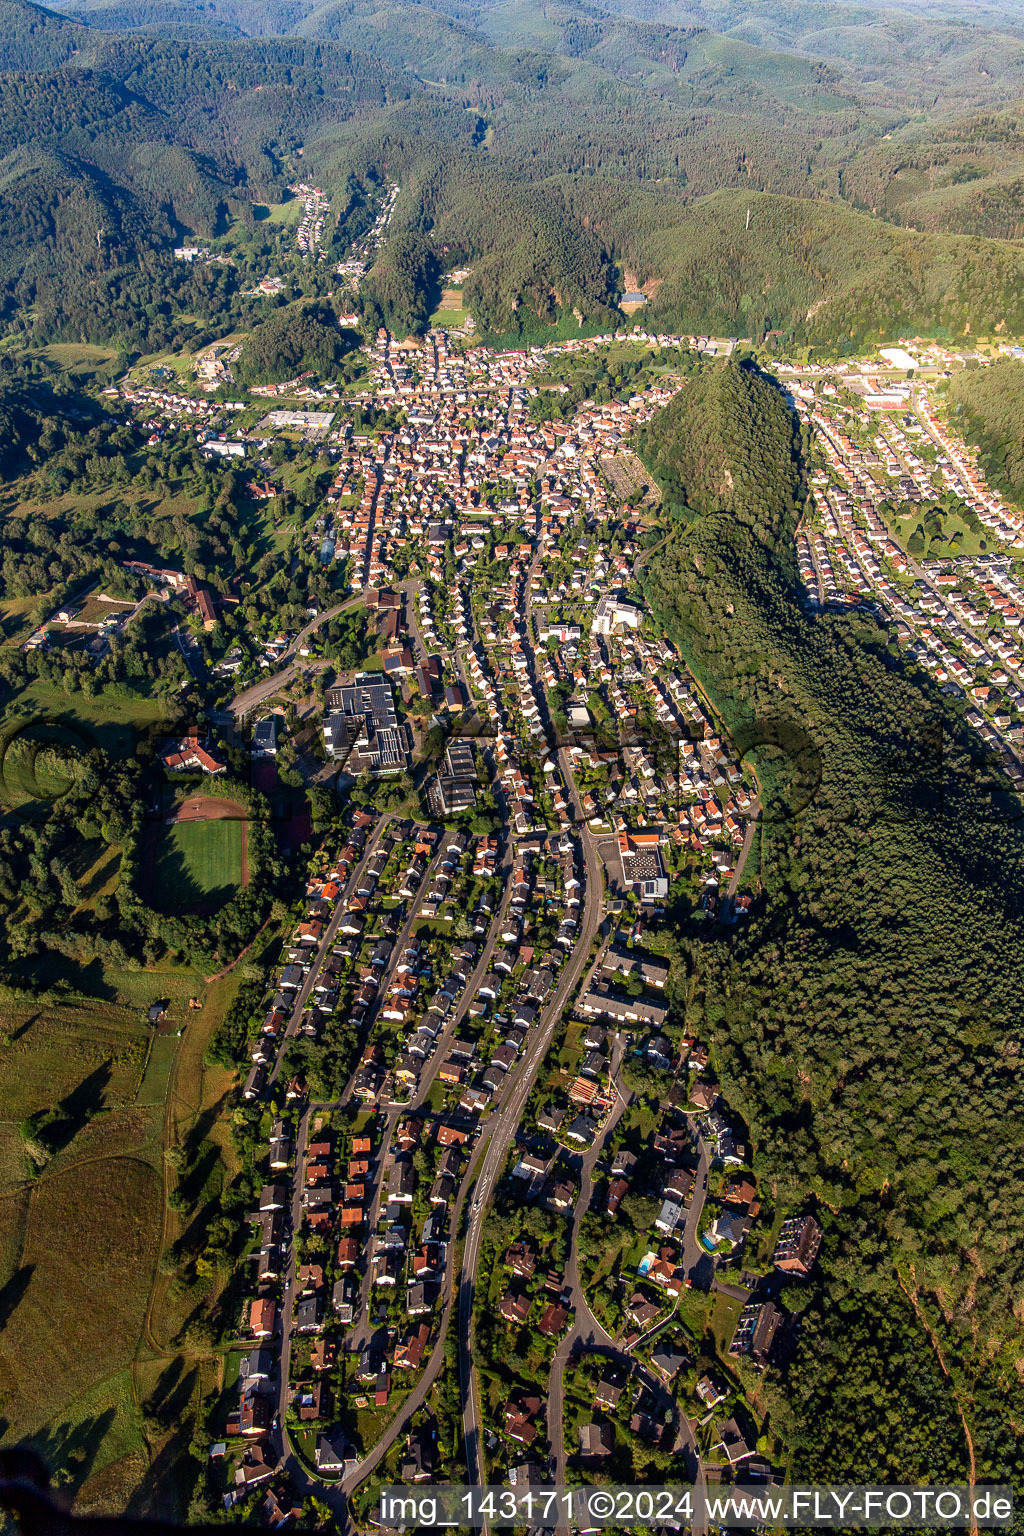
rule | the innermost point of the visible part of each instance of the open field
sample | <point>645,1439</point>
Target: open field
<point>156,1078</point>
<point>85,1053</point>
<point>80,1243</point>
<point>97,872</point>
<point>99,1438</point>
<point>91,1240</point>
<point>31,500</point>
<point>107,719</point>
<point>450,317</point>
<point>13,1168</point>
<point>80,359</point>
<point>99,986</point>
<point>96,608</point>
<point>199,863</point>
<point>51,1050</point>
<point>725,1312</point>
<point>13,1210</point>
<point>16,622</point>
<point>280,213</point>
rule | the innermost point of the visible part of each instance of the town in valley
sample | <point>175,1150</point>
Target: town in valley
<point>504,1224</point>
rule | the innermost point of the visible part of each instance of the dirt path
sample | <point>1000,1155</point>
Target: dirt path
<point>217,975</point>
<point>940,1357</point>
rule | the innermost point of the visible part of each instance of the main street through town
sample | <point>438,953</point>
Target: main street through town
<point>594,853</point>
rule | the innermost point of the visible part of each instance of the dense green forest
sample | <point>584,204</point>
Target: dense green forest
<point>987,405</point>
<point>866,1022</point>
<point>291,342</point>
<point>401,290</point>
<point>555,150</point>
<point>815,271</point>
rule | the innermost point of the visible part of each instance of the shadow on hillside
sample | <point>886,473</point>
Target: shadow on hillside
<point>12,1293</point>
<point>24,1028</point>
<point>172,1394</point>
<point>197,1133</point>
<point>55,1128</point>
<point>69,1450</point>
<point>193,1181</point>
<point>64,978</point>
<point>166,1486</point>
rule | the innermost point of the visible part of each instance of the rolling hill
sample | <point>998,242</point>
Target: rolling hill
<point>546,146</point>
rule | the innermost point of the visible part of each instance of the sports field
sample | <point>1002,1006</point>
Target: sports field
<point>198,864</point>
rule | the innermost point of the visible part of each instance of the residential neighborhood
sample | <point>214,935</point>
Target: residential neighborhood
<point>523,1090</point>
<point>510,1227</point>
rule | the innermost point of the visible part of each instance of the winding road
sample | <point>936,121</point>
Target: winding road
<point>252,697</point>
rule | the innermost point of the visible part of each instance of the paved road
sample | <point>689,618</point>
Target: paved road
<point>589,1336</point>
<point>505,1120</point>
<point>395,1111</point>
<point>295,1203</point>
<point>430,1373</point>
<point>398,946</point>
<point>295,1217</point>
<point>324,948</point>
<point>819,579</point>
<point>190,652</point>
<point>586,1330</point>
<point>419,1394</point>
<point>250,698</point>
<point>502,1127</point>
<point>336,1493</point>
<point>748,843</point>
<point>693,1250</point>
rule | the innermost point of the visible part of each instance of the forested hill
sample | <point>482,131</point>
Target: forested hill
<point>36,39</point>
<point>867,1023</point>
<point>721,446</point>
<point>562,151</point>
<point>988,407</point>
<point>748,264</point>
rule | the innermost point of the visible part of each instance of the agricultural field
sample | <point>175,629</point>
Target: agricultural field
<point>17,618</point>
<point>198,864</point>
<point>97,872</point>
<point>450,311</point>
<point>80,360</point>
<point>289,212</point>
<point>453,319</point>
<point>50,1051</point>
<point>97,607</point>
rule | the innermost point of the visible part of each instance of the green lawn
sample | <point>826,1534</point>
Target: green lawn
<point>449,317</point>
<point>157,1076</point>
<point>725,1312</point>
<point>199,863</point>
<point>71,357</point>
<point>280,213</point>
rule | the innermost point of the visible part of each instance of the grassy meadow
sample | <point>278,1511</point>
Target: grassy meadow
<point>199,863</point>
<point>80,1234</point>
